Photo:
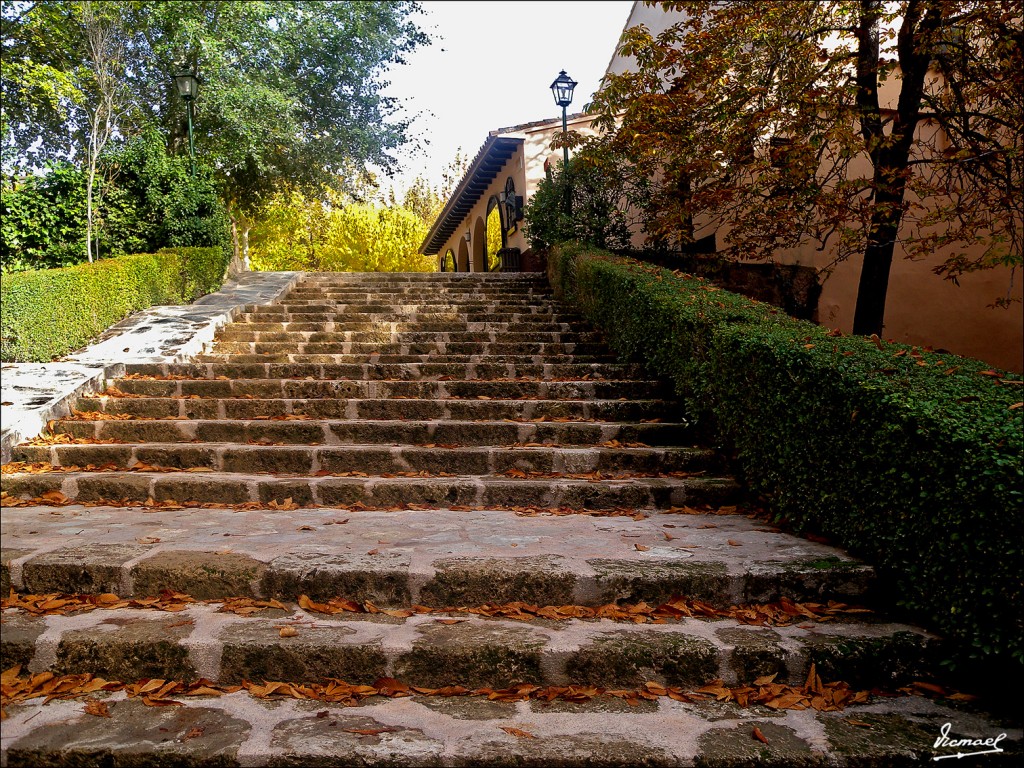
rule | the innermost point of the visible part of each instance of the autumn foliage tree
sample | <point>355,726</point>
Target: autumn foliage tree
<point>847,125</point>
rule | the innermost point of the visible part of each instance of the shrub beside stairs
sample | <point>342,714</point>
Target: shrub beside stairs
<point>439,498</point>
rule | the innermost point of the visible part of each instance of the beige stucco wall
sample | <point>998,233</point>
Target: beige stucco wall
<point>526,167</point>
<point>513,167</point>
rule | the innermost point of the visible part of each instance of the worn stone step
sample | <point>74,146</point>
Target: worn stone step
<point>439,345</point>
<point>398,371</point>
<point>554,349</point>
<point>339,310</point>
<point>414,336</point>
<point>483,322</point>
<point>348,331</point>
<point>435,557</point>
<point>434,313</point>
<point>353,296</point>
<point>489,490</point>
<point>467,732</point>
<point>373,460</point>
<point>432,357</point>
<point>477,652</point>
<point>344,432</point>
<point>434,390</point>
<point>378,408</point>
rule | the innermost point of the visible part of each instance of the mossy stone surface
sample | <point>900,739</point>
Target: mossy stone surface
<point>633,658</point>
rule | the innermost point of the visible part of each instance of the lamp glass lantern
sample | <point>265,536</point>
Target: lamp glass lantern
<point>562,89</point>
<point>187,84</point>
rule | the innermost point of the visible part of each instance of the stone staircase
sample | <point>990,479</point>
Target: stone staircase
<point>442,490</point>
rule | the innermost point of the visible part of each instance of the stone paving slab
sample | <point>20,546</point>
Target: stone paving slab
<point>236,729</point>
<point>431,556</point>
<point>34,393</point>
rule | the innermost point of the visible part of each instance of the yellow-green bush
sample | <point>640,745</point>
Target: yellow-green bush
<point>48,313</point>
<point>908,458</point>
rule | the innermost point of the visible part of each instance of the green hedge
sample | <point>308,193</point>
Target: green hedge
<point>909,459</point>
<point>48,313</point>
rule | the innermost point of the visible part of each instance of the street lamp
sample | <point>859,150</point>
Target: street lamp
<point>188,88</point>
<point>562,91</point>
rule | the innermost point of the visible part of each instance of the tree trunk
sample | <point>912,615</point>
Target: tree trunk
<point>890,155</point>
<point>874,275</point>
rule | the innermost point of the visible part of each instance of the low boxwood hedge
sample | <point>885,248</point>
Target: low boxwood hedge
<point>907,458</point>
<point>48,313</point>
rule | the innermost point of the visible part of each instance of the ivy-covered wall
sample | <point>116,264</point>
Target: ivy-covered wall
<point>907,458</point>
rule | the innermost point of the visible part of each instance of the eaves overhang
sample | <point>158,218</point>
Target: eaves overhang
<point>485,167</point>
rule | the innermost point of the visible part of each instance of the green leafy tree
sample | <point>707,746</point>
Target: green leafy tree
<point>595,199</point>
<point>42,219</point>
<point>331,232</point>
<point>764,118</point>
<point>291,91</point>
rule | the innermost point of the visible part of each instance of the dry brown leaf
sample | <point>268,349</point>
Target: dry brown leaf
<point>97,708</point>
<point>288,631</point>
<point>517,732</point>
<point>757,731</point>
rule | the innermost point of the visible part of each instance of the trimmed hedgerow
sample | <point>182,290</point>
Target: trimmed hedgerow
<point>908,458</point>
<point>48,313</point>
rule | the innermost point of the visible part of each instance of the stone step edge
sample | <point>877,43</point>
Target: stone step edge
<point>431,651</point>
<point>154,568</point>
<point>343,489</point>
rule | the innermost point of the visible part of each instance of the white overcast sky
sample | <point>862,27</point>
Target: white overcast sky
<point>491,65</point>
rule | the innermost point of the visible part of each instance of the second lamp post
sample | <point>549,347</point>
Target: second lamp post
<point>188,89</point>
<point>562,90</point>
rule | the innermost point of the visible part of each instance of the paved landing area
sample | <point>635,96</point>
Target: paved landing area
<point>34,393</point>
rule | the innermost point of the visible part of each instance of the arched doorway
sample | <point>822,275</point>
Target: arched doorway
<point>448,262</point>
<point>495,237</point>
<point>479,245</point>
<point>462,262</point>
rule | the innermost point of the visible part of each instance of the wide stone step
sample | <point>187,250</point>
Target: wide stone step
<point>346,331</point>
<point>475,652</point>
<point>299,296</point>
<point>474,732</point>
<point>397,371</point>
<point>451,314</point>
<point>384,347</point>
<point>374,460</point>
<point>379,408</point>
<point>376,491</point>
<point>437,557</point>
<point>394,358</point>
<point>349,431</point>
<point>433,390</point>
<point>482,321</point>
<point>414,336</point>
<point>324,311</point>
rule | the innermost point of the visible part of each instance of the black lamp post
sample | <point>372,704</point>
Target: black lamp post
<point>188,87</point>
<point>562,90</point>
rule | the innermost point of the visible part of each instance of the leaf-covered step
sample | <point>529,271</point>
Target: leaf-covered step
<point>384,347</point>
<point>384,335</point>
<point>431,556</point>
<point>434,390</point>
<point>373,460</point>
<point>381,408</point>
<point>395,371</point>
<point>499,490</point>
<point>449,649</point>
<point>349,331</point>
<point>344,432</point>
